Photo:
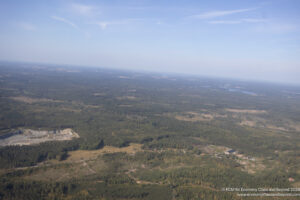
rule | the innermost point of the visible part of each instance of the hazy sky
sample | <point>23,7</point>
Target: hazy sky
<point>253,39</point>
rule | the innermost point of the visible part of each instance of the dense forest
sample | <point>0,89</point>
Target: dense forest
<point>145,135</point>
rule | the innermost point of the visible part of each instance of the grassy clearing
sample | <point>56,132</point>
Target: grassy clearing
<point>89,155</point>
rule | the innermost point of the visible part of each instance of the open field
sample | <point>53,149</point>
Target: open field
<point>29,100</point>
<point>247,111</point>
<point>89,155</point>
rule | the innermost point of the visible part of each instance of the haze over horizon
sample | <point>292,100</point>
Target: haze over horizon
<point>254,40</point>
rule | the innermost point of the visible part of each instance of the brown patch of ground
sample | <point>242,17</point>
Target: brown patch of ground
<point>88,155</point>
<point>213,149</point>
<point>69,107</point>
<point>246,111</point>
<point>138,181</point>
<point>62,171</point>
<point>194,117</point>
<point>82,105</point>
<point>250,164</point>
<point>2,171</point>
<point>270,126</point>
<point>259,122</point>
<point>52,174</point>
<point>30,100</point>
<point>252,119</point>
<point>296,184</point>
<point>80,163</point>
<point>294,125</point>
<point>126,98</point>
<point>248,123</point>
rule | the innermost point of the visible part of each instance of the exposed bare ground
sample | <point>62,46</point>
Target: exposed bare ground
<point>30,137</point>
<point>294,125</point>
<point>212,149</point>
<point>58,172</point>
<point>296,184</point>
<point>138,181</point>
<point>99,94</point>
<point>80,163</point>
<point>194,117</point>
<point>248,123</point>
<point>263,123</point>
<point>124,77</point>
<point>126,98</point>
<point>249,164</point>
<point>51,174</point>
<point>271,126</point>
<point>252,118</point>
<point>30,100</point>
<point>246,111</point>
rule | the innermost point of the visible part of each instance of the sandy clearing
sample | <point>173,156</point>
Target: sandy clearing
<point>247,111</point>
<point>248,123</point>
<point>30,137</point>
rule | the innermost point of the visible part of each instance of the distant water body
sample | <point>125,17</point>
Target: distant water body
<point>242,91</point>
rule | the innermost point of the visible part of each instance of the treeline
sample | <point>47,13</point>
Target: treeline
<point>22,156</point>
<point>216,177</point>
<point>11,190</point>
<point>92,189</point>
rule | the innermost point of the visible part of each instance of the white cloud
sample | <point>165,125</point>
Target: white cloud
<point>220,13</point>
<point>104,24</point>
<point>225,22</point>
<point>61,19</point>
<point>27,26</point>
<point>65,21</point>
<point>83,9</point>
<point>254,20</point>
<point>159,22</point>
<point>239,21</point>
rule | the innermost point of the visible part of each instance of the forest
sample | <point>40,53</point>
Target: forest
<point>146,135</point>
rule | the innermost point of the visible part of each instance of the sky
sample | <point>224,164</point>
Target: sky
<point>244,39</point>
